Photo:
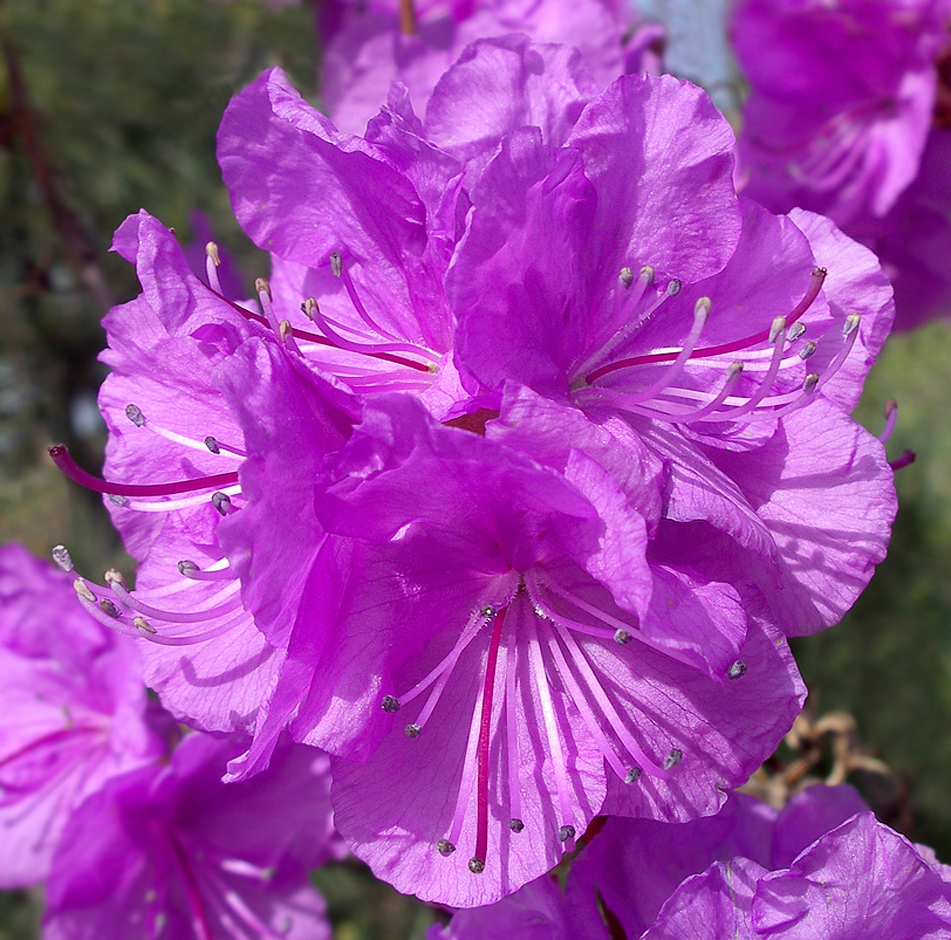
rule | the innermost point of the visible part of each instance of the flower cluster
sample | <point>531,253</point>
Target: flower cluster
<point>505,491</point>
<point>508,490</point>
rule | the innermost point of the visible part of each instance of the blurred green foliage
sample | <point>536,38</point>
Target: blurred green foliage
<point>889,661</point>
<point>124,99</point>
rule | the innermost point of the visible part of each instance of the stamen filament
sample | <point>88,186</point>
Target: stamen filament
<point>169,505</point>
<point>550,722</point>
<point>362,311</point>
<point>511,734</point>
<point>607,709</point>
<point>891,419</point>
<point>584,709</point>
<point>778,336</point>
<point>169,616</point>
<point>448,663</point>
<point>812,291</point>
<point>701,311</point>
<point>212,260</point>
<point>380,350</point>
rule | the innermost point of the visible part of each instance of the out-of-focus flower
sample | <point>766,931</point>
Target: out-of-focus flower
<point>841,100</point>
<point>370,45</point>
<point>841,120</point>
<point>72,711</point>
<point>913,241</point>
<point>821,869</point>
<point>858,881</point>
<point>170,851</point>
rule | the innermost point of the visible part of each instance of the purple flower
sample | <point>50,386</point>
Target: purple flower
<point>859,881</point>
<point>370,45</point>
<point>170,851</point>
<point>580,607</point>
<point>360,233</point>
<point>842,119</point>
<point>914,240</point>
<point>73,712</point>
<point>730,343</point>
<point>502,670</point>
<point>207,407</point>
<point>823,868</point>
<point>537,911</point>
<point>841,100</point>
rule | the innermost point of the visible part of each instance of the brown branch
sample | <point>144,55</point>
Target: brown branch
<point>78,244</point>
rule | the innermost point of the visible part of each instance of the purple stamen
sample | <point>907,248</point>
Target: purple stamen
<point>131,601</point>
<point>891,419</point>
<point>212,260</point>
<point>701,311</point>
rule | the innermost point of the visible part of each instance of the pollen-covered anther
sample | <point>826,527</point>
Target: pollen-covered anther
<point>391,704</point>
<point>622,637</point>
<point>477,865</point>
<point>310,308</point>
<point>633,775</point>
<point>62,558</point>
<point>516,825</point>
<point>488,611</point>
<point>673,758</point>
<point>186,568</point>
<point>808,349</point>
<point>565,833</point>
<point>211,250</point>
<point>736,670</point>
<point>445,848</point>
<point>851,324</point>
<point>261,286</point>
<point>143,626</point>
<point>82,589</point>
<point>673,288</point>
<point>412,731</point>
<point>114,577</point>
<point>221,502</point>
<point>285,330</point>
<point>336,263</point>
<point>212,445</point>
<point>778,326</point>
<point>810,382</point>
<point>795,331</point>
<point>626,277</point>
<point>110,609</point>
<point>134,414</point>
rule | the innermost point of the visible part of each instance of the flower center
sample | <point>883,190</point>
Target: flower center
<point>756,376</point>
<point>542,634</point>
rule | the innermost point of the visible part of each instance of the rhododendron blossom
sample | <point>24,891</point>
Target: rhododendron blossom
<point>847,115</point>
<point>72,711</point>
<point>370,45</point>
<point>822,868</point>
<point>170,851</point>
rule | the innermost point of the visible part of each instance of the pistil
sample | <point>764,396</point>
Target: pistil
<point>62,459</point>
